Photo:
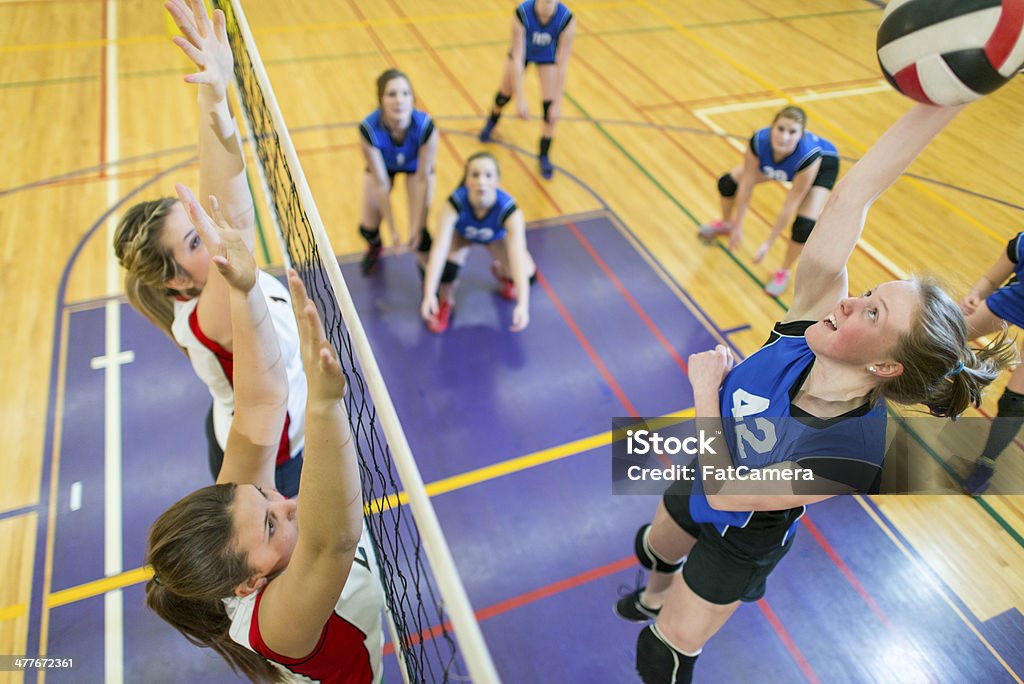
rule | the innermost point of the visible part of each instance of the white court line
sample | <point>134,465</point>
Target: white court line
<point>811,96</point>
<point>75,500</point>
<point>113,563</point>
<point>704,113</point>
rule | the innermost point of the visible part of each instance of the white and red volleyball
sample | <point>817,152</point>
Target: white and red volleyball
<point>948,52</point>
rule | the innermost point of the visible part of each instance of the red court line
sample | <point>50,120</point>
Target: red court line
<point>382,48</point>
<point>843,568</point>
<point>627,295</point>
<point>529,597</point>
<point>805,667</point>
<point>602,369</point>
<point>559,306</point>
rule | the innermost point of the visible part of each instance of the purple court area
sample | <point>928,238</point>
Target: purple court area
<point>543,551</point>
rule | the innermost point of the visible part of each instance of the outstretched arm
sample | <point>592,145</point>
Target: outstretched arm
<point>518,56</point>
<point>435,263</point>
<point>987,284</point>
<point>297,604</point>
<point>821,278</point>
<point>221,161</point>
<point>259,379</point>
<point>797,192</point>
<point>381,188</point>
<point>748,179</point>
<point>515,241</point>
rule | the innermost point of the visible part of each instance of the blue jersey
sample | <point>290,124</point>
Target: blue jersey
<point>761,428</point>
<point>399,156</point>
<point>542,39</point>
<point>807,150</point>
<point>1008,301</point>
<point>482,230</point>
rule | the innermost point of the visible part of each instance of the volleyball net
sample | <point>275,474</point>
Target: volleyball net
<point>433,629</point>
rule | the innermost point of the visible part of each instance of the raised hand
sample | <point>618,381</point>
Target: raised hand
<point>205,42</point>
<point>325,379</point>
<point>225,245</point>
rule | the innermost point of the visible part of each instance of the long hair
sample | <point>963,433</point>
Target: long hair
<point>472,158</point>
<point>148,264</point>
<point>932,354</point>
<point>196,565</point>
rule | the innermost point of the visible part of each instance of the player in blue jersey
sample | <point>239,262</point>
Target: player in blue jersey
<point>396,138</point>
<point>812,399</point>
<point>785,151</point>
<point>479,212</point>
<point>542,34</point>
<point>989,307</point>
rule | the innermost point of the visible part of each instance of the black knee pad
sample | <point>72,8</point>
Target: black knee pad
<point>371,235</point>
<point>533,278</point>
<point>546,105</point>
<point>450,273</point>
<point>658,662</point>
<point>802,227</point>
<point>1011,405</point>
<point>727,187</point>
<point>426,242</point>
<point>645,554</point>
<point>501,100</point>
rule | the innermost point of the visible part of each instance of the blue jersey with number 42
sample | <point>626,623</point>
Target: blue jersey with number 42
<point>760,431</point>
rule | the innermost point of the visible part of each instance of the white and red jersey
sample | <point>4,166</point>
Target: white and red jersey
<point>213,364</point>
<point>351,642</point>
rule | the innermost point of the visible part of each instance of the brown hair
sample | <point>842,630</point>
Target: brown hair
<point>148,263</point>
<point>385,78</point>
<point>196,565</point>
<point>472,158</point>
<point>940,370</point>
<point>792,112</point>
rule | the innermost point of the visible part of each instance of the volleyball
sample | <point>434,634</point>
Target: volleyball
<point>948,52</point>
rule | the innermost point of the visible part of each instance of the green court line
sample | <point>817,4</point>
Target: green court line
<point>259,223</point>
<point>672,198</point>
<point>764,20</point>
<point>597,124</point>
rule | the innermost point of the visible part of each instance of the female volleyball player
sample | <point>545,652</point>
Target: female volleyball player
<point>169,279</point>
<point>479,212</point>
<point>812,398</point>
<point>396,138</point>
<point>542,33</point>
<point>989,308</point>
<point>231,571</point>
<point>785,151</point>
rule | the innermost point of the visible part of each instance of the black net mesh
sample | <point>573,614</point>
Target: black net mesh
<point>413,601</point>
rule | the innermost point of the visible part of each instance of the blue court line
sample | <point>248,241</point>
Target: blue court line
<point>15,512</point>
<point>737,329</point>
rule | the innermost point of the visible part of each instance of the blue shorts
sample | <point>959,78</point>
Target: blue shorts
<point>1008,303</point>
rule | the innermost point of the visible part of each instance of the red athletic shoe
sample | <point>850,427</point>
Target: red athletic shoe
<point>444,316</point>
<point>506,286</point>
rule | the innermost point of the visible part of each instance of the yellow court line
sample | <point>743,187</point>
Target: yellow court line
<point>921,187</point>
<point>129,577</point>
<point>520,463</point>
<point>100,586</point>
<point>917,563</point>
<point>13,611</point>
<point>306,28</point>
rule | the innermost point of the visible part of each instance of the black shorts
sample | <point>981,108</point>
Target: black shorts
<point>286,475</point>
<point>722,569</point>
<point>828,172</point>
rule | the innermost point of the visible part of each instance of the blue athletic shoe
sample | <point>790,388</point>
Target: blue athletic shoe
<point>485,132</point>
<point>980,478</point>
<point>547,169</point>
